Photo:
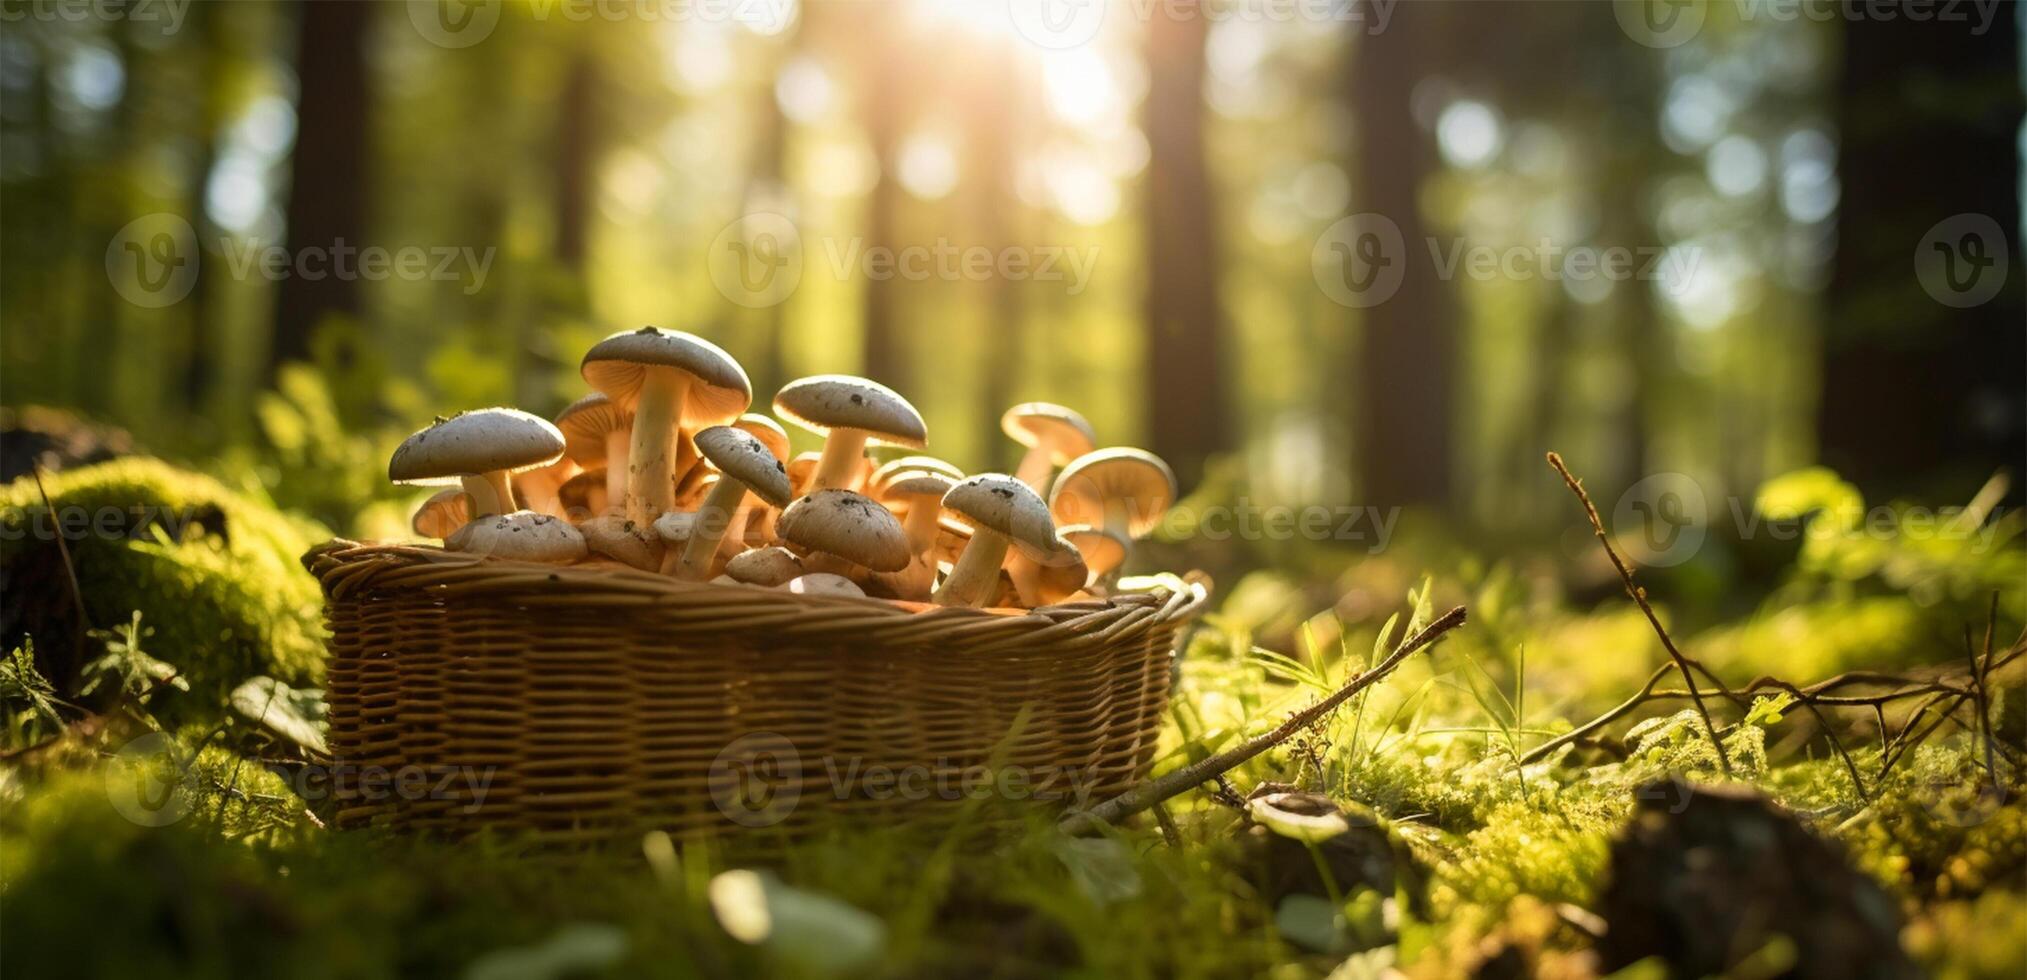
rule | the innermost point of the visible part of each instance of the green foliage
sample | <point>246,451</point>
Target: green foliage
<point>213,574</point>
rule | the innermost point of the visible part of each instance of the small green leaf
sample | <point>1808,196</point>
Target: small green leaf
<point>1101,867</point>
<point>296,715</point>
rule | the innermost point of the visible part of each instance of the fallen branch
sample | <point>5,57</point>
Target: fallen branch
<point>1682,662</point>
<point>1182,780</point>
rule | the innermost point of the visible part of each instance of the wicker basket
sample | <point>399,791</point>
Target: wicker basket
<point>576,704</point>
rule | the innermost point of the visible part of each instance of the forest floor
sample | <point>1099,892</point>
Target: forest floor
<point>1460,816</point>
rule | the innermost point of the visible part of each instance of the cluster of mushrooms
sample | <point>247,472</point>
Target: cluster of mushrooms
<point>661,469</point>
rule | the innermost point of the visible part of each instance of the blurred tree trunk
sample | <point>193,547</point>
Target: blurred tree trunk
<point>1919,396</point>
<point>994,128</point>
<point>1189,416</point>
<point>883,354</point>
<point>575,140</point>
<point>328,170</point>
<point>1404,389</point>
<point>765,190</point>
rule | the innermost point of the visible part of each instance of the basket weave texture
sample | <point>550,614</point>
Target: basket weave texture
<point>593,702</point>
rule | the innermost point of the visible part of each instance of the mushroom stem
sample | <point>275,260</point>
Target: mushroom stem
<point>538,491</point>
<point>658,416</point>
<point>976,569</point>
<point>1119,517</point>
<point>921,524</point>
<point>844,451</point>
<point>1036,466</point>
<point>714,516</point>
<point>489,492</point>
<point>616,443</point>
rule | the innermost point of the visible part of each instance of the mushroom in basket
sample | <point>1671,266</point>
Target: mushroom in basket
<point>669,379</point>
<point>744,463</point>
<point>1054,436</point>
<point>1123,491</point>
<point>845,533</point>
<point>477,450</point>
<point>1001,511</point>
<point>848,412</point>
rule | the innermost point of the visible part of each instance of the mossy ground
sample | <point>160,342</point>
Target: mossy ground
<point>248,881</point>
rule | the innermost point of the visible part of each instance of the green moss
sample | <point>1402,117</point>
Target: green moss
<point>213,573</point>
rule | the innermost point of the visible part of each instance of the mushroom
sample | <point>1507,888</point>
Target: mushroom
<point>909,464</point>
<point>845,532</point>
<point>674,529</point>
<point>800,469</point>
<point>849,412</point>
<point>442,514</point>
<point>1001,511</point>
<point>1102,550</point>
<point>596,433</point>
<point>824,583</point>
<point>744,463</point>
<point>540,489</point>
<point>583,496</point>
<point>918,495</point>
<point>764,566</point>
<point>477,450</point>
<point>1124,491</point>
<point>669,379</point>
<point>618,538</point>
<point>521,536</point>
<point>1047,578</point>
<point>1054,436</point>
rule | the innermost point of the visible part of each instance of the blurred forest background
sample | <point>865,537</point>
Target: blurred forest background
<point>568,167</point>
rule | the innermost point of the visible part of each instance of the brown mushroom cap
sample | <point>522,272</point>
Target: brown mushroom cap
<point>1001,503</point>
<point>475,442</point>
<point>764,566</point>
<point>848,525</point>
<point>615,537</point>
<point>586,422</point>
<point>1102,551</point>
<point>917,483</point>
<point>520,536</point>
<point>575,493</point>
<point>837,401</point>
<point>619,364</point>
<point>1134,478</point>
<point>739,455</point>
<point>1067,434</point>
<point>442,514</point>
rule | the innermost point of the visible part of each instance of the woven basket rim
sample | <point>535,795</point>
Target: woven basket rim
<point>346,568</point>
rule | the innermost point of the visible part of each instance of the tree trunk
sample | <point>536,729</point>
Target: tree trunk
<point>1189,417</point>
<point>1403,394</point>
<point>1918,395</point>
<point>327,172</point>
<point>883,354</point>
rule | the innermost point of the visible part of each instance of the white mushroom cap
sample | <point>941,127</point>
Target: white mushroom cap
<point>472,443</point>
<point>917,483</point>
<point>910,464</point>
<point>823,583</point>
<point>769,432</point>
<point>615,537</point>
<point>521,536</point>
<point>1049,578</point>
<point>848,525</point>
<point>675,526</point>
<point>1001,503</point>
<point>764,566</point>
<point>618,365</point>
<point>1132,483</point>
<point>1066,434</point>
<point>442,514</point>
<point>739,455</point>
<point>586,422</point>
<point>837,401</point>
